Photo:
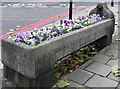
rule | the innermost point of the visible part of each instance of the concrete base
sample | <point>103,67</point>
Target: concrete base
<point>23,81</point>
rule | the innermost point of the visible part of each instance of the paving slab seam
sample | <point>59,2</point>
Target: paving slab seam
<point>113,79</point>
<point>75,81</point>
<point>89,78</point>
<point>117,86</point>
<point>80,84</point>
<point>107,62</point>
<point>88,64</point>
<point>101,62</point>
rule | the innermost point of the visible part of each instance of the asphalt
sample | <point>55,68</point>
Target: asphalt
<point>88,74</point>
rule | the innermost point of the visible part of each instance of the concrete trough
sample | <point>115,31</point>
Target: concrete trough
<point>27,66</point>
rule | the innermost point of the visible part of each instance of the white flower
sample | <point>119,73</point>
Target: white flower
<point>34,34</point>
<point>86,23</point>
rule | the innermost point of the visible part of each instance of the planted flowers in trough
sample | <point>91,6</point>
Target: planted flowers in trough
<point>29,57</point>
<point>36,36</point>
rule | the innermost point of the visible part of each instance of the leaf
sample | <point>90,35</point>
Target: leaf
<point>117,40</point>
<point>12,30</point>
<point>115,70</point>
<point>18,26</point>
<point>81,60</point>
<point>62,84</point>
<point>112,57</point>
<point>10,33</point>
<point>117,74</point>
<point>92,53</point>
<point>80,87</point>
<point>70,71</point>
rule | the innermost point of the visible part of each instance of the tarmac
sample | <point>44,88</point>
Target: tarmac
<point>97,71</point>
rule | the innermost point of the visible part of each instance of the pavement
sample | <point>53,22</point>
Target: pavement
<point>97,71</point>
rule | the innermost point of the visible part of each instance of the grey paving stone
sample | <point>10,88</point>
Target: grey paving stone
<point>113,52</point>
<point>73,85</point>
<point>79,76</point>
<point>114,46</point>
<point>1,65</point>
<point>112,62</point>
<point>118,87</point>
<point>1,75</point>
<point>100,58</point>
<point>114,39</point>
<point>99,68</point>
<point>112,76</point>
<point>86,64</point>
<point>104,50</point>
<point>98,81</point>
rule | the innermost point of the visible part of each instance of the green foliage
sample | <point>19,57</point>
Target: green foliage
<point>118,40</point>
<point>11,29</point>
<point>80,87</point>
<point>18,26</point>
<point>71,62</point>
<point>62,84</point>
<point>112,57</point>
<point>115,70</point>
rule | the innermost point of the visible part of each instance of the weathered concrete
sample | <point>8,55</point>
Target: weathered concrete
<point>35,64</point>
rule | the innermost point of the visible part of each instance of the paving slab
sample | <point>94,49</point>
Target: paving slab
<point>112,62</point>
<point>100,58</point>
<point>74,85</point>
<point>112,76</point>
<point>118,87</point>
<point>104,50</point>
<point>1,75</point>
<point>1,65</point>
<point>98,81</point>
<point>80,76</point>
<point>113,52</point>
<point>114,39</point>
<point>114,46</point>
<point>99,68</point>
<point>83,66</point>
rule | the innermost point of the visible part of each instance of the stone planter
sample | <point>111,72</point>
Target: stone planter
<point>27,66</point>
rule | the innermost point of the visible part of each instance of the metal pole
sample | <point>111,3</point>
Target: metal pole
<point>70,10</point>
<point>112,3</point>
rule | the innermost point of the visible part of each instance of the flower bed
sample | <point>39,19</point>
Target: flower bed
<point>38,35</point>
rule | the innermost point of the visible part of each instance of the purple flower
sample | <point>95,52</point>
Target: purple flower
<point>76,26</point>
<point>79,17</point>
<point>42,34</point>
<point>71,22</point>
<point>65,27</point>
<point>83,17</point>
<point>68,22</point>
<point>33,39</point>
<point>57,35</point>
<point>98,15</point>
<point>58,31</point>
<point>72,25</point>
<point>48,38</point>
<point>41,38</point>
<point>38,33</point>
<point>35,29</point>
<point>19,40</point>
<point>23,35</point>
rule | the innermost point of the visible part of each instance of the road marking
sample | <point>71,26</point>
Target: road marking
<point>40,23</point>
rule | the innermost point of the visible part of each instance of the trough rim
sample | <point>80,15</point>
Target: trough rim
<point>46,42</point>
